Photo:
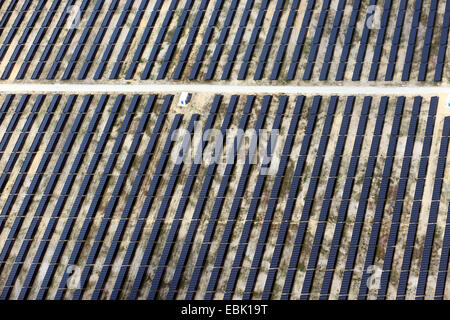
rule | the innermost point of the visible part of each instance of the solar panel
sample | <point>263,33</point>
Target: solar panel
<point>340,145</point>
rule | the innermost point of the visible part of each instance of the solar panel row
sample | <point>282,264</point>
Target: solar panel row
<point>428,40</point>
<point>51,43</point>
<point>412,40</point>
<point>22,41</point>
<point>298,174</point>
<point>382,198</point>
<point>217,207</point>
<point>130,37</point>
<point>145,36</point>
<point>8,12</point>
<point>137,233</point>
<point>179,214</point>
<point>348,41</point>
<point>443,262</point>
<point>98,39</point>
<point>252,214</point>
<point>417,203</point>
<point>443,44</point>
<point>381,36</point>
<point>27,163</point>
<point>181,263</point>
<point>113,39</point>
<point>104,224</point>
<point>281,53</point>
<point>329,193</point>
<point>316,40</point>
<point>255,34</point>
<point>131,200</point>
<point>349,184</point>
<point>17,22</point>
<point>66,43</point>
<point>100,190</point>
<point>20,259</point>
<point>396,41</point>
<point>224,35</point>
<point>399,203</point>
<point>192,36</point>
<point>162,211</point>
<point>433,213</point>
<point>161,36</point>
<point>363,43</point>
<point>177,34</point>
<point>332,41</point>
<point>269,40</point>
<point>300,43</point>
<point>364,199</point>
<point>81,196</point>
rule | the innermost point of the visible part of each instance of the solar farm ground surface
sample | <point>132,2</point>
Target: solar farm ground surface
<point>352,202</point>
<point>348,142</point>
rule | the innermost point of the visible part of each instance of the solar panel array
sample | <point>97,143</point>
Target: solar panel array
<point>284,40</point>
<point>94,206</point>
<point>101,197</point>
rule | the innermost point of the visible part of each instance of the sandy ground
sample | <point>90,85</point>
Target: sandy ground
<point>203,94</point>
<point>201,103</point>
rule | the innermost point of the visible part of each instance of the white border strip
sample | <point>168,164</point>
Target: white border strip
<point>220,88</point>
